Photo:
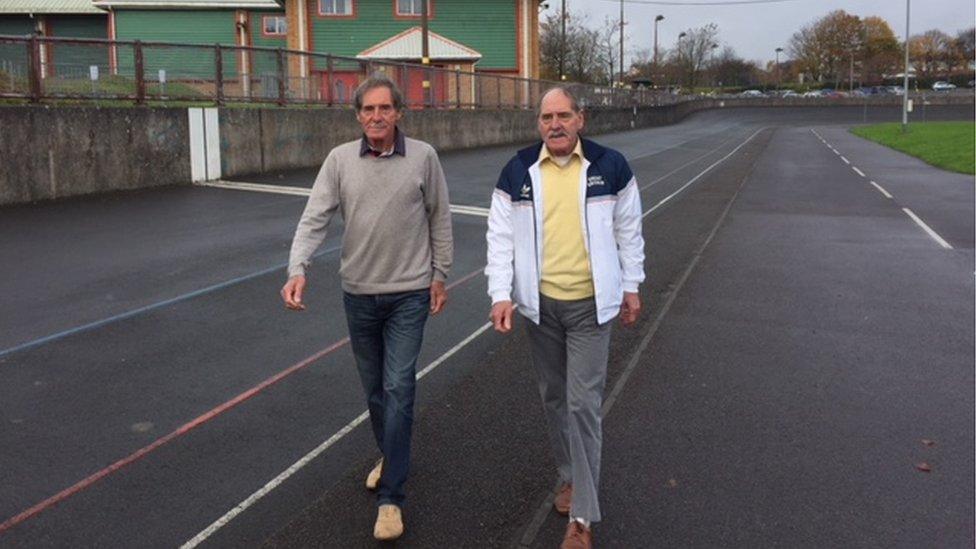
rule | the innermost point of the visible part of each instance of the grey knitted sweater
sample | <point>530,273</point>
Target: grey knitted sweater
<point>397,219</point>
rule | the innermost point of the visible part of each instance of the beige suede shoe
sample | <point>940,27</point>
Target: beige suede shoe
<point>373,478</point>
<point>389,523</point>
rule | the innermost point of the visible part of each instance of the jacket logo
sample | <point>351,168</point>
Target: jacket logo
<point>526,191</point>
<point>594,180</point>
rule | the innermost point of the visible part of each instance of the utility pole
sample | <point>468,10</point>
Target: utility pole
<point>621,81</point>
<point>904,103</point>
<point>425,54</point>
<point>562,43</point>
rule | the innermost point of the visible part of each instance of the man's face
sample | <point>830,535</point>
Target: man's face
<point>559,124</point>
<point>378,116</point>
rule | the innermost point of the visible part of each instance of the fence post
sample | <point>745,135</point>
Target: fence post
<point>330,85</point>
<point>498,88</point>
<point>140,73</point>
<point>281,76</point>
<point>518,93</point>
<point>457,87</point>
<point>34,68</point>
<point>219,77</point>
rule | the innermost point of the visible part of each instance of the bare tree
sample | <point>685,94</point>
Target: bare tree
<point>693,50</point>
<point>609,48</point>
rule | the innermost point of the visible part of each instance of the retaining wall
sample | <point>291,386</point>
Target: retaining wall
<point>53,152</point>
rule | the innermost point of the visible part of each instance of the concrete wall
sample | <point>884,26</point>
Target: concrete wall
<point>52,152</point>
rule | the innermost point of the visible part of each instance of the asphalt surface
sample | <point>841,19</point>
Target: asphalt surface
<point>803,335</point>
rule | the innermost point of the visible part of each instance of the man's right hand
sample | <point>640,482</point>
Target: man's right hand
<point>291,292</point>
<point>501,316</point>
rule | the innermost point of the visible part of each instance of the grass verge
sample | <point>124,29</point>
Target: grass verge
<point>947,145</point>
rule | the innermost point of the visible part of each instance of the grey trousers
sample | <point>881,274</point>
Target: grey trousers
<point>569,351</point>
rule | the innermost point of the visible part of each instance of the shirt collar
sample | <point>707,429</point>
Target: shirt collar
<point>399,146</point>
<point>577,150</point>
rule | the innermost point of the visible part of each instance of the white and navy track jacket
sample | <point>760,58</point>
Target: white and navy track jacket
<point>611,209</point>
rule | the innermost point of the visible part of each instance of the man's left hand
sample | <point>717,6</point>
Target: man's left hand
<point>630,309</point>
<point>438,296</point>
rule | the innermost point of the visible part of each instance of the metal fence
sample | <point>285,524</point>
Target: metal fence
<point>38,68</point>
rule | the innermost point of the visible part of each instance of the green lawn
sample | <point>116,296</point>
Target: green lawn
<point>947,145</point>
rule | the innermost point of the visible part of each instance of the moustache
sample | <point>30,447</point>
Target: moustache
<point>557,134</point>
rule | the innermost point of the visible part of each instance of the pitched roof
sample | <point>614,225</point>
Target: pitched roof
<point>407,45</point>
<point>192,4</point>
<point>49,6</point>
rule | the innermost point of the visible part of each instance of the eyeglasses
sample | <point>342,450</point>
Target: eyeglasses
<point>563,117</point>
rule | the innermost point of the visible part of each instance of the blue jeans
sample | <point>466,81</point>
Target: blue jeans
<point>386,331</point>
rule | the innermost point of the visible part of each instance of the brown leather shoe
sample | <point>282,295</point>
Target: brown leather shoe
<point>577,537</point>
<point>564,499</point>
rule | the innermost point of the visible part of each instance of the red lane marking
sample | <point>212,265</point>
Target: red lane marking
<point>139,454</point>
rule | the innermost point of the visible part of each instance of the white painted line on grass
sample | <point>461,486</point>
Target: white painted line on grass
<point>846,161</point>
<point>703,172</point>
<point>859,172</point>
<point>880,188</point>
<point>305,191</point>
<point>935,236</point>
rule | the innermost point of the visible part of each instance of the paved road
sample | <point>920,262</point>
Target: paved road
<point>804,335</point>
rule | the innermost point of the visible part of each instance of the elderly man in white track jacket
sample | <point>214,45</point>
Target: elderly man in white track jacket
<point>565,247</point>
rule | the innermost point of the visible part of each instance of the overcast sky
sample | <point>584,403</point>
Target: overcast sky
<point>755,31</point>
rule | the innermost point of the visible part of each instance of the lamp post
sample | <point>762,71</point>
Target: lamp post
<point>680,57</point>
<point>620,82</point>
<point>562,43</point>
<point>779,77</point>
<point>904,102</point>
<point>656,21</point>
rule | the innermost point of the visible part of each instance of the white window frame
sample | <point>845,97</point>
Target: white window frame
<point>347,4</point>
<point>413,4</point>
<point>279,22</point>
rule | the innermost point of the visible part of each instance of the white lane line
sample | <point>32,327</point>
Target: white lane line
<point>307,458</point>
<point>304,191</point>
<point>883,191</point>
<point>703,172</point>
<point>846,161</point>
<point>685,165</point>
<point>859,172</point>
<point>935,236</point>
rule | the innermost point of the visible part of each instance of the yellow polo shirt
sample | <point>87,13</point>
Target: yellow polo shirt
<point>566,271</point>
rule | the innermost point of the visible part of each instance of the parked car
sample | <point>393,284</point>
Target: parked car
<point>943,86</point>
<point>972,84</point>
<point>812,93</point>
<point>896,90</point>
<point>790,93</point>
<point>751,93</point>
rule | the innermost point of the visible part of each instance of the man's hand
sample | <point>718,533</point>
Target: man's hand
<point>501,316</point>
<point>630,309</point>
<point>291,292</point>
<point>438,296</point>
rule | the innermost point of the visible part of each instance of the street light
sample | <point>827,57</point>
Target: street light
<point>656,20</point>
<point>779,77</point>
<point>711,61</point>
<point>680,36</point>
<point>904,102</point>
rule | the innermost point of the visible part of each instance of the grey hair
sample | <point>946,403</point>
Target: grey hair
<point>574,102</point>
<point>378,81</point>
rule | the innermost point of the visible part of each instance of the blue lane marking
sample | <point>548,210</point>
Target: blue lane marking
<point>140,310</point>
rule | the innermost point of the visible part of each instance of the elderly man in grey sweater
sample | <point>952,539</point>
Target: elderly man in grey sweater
<point>396,255</point>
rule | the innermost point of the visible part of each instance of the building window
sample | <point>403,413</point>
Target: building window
<point>335,7</point>
<point>413,8</point>
<point>274,25</point>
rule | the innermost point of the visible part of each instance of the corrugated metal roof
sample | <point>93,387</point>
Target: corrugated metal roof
<point>49,6</point>
<point>192,4</point>
<point>407,45</point>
